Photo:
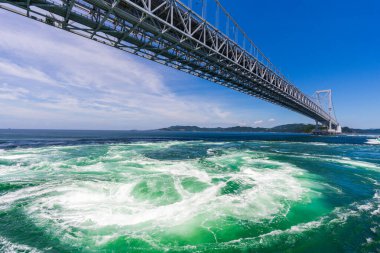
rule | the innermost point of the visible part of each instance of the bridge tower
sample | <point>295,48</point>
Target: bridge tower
<point>331,113</point>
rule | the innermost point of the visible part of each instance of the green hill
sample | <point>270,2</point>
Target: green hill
<point>289,128</point>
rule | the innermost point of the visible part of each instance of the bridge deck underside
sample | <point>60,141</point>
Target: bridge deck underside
<point>169,33</point>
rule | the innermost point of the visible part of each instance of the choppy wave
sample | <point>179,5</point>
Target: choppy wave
<point>7,246</point>
<point>174,195</point>
<point>373,141</point>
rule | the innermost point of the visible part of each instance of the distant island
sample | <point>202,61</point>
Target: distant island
<point>289,128</point>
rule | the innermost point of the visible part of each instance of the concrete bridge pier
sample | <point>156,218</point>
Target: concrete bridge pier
<point>327,129</point>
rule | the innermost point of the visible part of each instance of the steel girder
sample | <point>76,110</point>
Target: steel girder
<point>168,32</point>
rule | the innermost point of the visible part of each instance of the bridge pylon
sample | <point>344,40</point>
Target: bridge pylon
<point>332,127</point>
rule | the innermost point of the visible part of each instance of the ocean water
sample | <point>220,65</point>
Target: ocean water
<point>115,191</point>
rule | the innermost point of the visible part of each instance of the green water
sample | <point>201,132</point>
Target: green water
<point>190,196</point>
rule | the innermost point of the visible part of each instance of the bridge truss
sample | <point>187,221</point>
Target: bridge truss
<point>171,33</point>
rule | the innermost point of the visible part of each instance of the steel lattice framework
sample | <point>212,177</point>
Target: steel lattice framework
<point>171,33</point>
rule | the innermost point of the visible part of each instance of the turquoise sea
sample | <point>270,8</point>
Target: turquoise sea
<point>151,191</point>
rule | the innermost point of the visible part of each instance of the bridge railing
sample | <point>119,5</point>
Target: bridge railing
<point>218,18</point>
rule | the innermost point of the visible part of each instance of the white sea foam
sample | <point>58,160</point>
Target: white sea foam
<point>295,233</point>
<point>297,229</point>
<point>337,217</point>
<point>336,189</point>
<point>365,207</point>
<point>376,198</point>
<point>345,161</point>
<point>318,143</point>
<point>113,204</point>
<point>85,203</point>
<point>355,163</point>
<point>14,156</point>
<point>104,196</point>
<point>7,246</point>
<point>373,142</point>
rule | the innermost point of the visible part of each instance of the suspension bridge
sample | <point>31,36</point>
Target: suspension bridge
<point>182,35</point>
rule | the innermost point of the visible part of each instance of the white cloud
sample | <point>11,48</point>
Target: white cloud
<point>10,93</point>
<point>55,79</point>
<point>23,72</point>
<point>271,120</point>
<point>68,82</point>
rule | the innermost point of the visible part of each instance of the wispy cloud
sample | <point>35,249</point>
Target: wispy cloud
<point>23,72</point>
<point>66,81</point>
<point>11,93</point>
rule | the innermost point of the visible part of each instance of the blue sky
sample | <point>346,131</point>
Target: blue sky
<point>53,79</point>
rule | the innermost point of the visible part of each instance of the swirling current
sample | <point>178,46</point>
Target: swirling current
<point>99,191</point>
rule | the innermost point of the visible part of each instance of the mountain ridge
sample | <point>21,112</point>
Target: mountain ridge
<point>287,128</point>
